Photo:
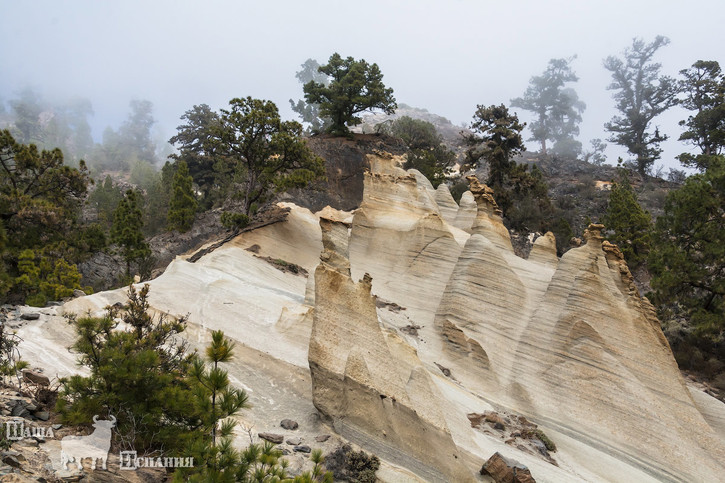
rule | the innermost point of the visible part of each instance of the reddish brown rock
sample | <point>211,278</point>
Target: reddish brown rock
<point>506,470</point>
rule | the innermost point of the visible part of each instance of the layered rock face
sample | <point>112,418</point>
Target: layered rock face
<point>400,238</point>
<point>371,386</point>
<point>238,289</point>
<point>569,343</point>
<point>416,313</point>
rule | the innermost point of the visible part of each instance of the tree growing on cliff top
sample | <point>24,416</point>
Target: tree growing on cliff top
<point>199,147</point>
<point>266,152</point>
<point>355,86</point>
<point>641,94</point>
<point>427,153</point>
<point>495,138</point>
<point>245,151</point>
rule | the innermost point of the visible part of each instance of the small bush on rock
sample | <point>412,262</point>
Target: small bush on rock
<point>545,439</point>
<point>353,466</point>
<point>232,220</point>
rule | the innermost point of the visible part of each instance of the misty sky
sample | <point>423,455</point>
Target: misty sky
<point>445,56</point>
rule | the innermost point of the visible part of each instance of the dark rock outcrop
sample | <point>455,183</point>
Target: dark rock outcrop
<point>271,437</point>
<point>289,424</point>
<point>36,378</point>
<point>345,163</point>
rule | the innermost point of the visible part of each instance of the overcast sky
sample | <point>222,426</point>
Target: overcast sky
<point>445,56</point>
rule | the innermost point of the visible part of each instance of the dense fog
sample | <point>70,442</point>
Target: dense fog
<point>446,57</point>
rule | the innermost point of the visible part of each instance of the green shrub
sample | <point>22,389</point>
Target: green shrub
<point>363,466</point>
<point>457,190</point>
<point>353,466</point>
<point>44,276</point>
<point>232,220</point>
<point>563,233</point>
<point>545,439</point>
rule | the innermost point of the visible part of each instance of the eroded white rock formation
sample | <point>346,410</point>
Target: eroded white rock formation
<point>374,395</point>
<point>568,343</point>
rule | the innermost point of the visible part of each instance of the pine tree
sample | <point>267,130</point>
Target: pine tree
<point>137,375</point>
<point>355,86</point>
<point>641,94</point>
<point>126,230</point>
<point>631,226</point>
<point>182,206</point>
<point>703,87</point>
<point>40,201</point>
<point>688,260</point>
<point>5,280</point>
<point>216,402</point>
<point>265,151</point>
<point>557,108</point>
<point>310,112</point>
<point>427,153</point>
<point>496,139</point>
<point>46,276</point>
<point>105,199</point>
<point>198,143</point>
